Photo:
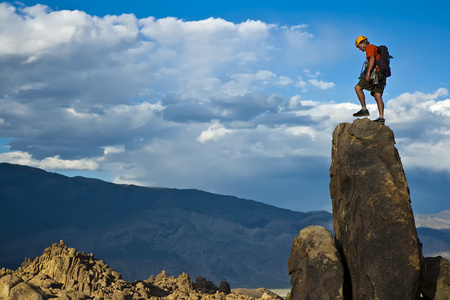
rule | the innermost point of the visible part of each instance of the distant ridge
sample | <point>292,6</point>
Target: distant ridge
<point>434,233</point>
<point>435,221</point>
<point>141,231</point>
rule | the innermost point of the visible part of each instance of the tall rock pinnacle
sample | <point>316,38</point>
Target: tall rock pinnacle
<point>373,221</point>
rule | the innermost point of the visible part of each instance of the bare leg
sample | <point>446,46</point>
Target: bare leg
<point>360,93</point>
<point>380,104</point>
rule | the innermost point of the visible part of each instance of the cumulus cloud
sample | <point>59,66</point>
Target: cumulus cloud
<point>321,84</point>
<point>214,133</point>
<point>312,82</point>
<point>77,84</point>
<point>49,163</point>
<point>206,104</point>
<point>422,128</point>
<point>35,31</point>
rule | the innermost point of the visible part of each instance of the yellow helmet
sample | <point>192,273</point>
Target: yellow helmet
<point>359,39</point>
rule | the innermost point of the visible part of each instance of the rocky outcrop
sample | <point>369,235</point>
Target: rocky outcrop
<point>64,273</point>
<point>13,287</point>
<point>206,286</point>
<point>375,234</point>
<point>372,216</point>
<point>436,278</point>
<point>315,266</point>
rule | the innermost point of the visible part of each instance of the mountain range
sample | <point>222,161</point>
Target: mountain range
<point>434,233</point>
<point>140,231</point>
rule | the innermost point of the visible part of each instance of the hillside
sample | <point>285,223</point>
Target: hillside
<point>141,231</point>
<point>434,233</point>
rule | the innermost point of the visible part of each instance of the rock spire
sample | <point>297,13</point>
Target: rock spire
<point>374,230</point>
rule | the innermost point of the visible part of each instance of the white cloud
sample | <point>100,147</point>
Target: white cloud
<point>112,150</point>
<point>301,130</point>
<point>301,84</point>
<point>207,46</point>
<point>313,81</point>
<point>410,107</point>
<point>34,31</point>
<point>49,163</point>
<point>321,84</point>
<point>441,108</point>
<point>310,74</point>
<point>421,124</point>
<point>436,153</point>
<point>168,102</point>
<point>244,83</point>
<point>215,132</point>
<point>295,102</point>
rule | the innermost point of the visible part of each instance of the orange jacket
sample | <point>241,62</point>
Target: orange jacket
<point>371,50</point>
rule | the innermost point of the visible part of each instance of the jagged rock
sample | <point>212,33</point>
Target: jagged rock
<point>436,278</point>
<point>13,287</point>
<point>372,216</point>
<point>63,273</point>
<point>315,266</point>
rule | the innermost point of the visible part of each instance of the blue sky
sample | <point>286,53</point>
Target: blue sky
<point>231,97</point>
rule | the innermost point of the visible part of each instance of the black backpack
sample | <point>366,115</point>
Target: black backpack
<point>384,61</point>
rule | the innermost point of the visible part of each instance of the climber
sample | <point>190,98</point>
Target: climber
<point>371,79</point>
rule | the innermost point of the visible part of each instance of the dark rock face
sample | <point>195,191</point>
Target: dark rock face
<point>373,221</point>
<point>315,266</point>
<point>436,278</point>
<point>224,287</point>
<point>205,286</point>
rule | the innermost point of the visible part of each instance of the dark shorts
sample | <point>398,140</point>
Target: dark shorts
<point>374,88</point>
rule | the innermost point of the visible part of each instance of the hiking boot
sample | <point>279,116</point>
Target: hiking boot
<point>380,120</point>
<point>362,113</point>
